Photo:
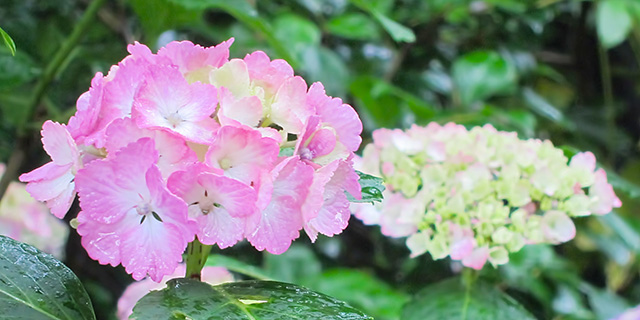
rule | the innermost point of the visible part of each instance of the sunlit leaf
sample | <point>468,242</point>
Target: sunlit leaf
<point>34,285</point>
<point>8,42</point>
<point>613,21</point>
<point>255,300</point>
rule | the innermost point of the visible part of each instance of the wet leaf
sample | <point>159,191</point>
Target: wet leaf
<point>191,299</point>
<point>372,188</point>
<point>446,300</point>
<point>34,285</point>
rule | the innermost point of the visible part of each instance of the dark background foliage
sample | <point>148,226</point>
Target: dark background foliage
<point>564,70</point>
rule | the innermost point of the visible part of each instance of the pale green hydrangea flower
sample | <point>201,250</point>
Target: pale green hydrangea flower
<point>477,195</point>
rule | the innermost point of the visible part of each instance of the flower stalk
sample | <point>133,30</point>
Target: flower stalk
<point>197,254</point>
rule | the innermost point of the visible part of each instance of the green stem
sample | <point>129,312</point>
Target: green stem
<point>197,254</point>
<point>58,59</point>
<point>52,68</point>
<point>469,277</point>
<point>607,92</point>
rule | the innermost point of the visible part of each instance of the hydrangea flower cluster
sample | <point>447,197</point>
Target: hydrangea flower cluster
<point>187,143</point>
<point>476,195</point>
<point>139,289</point>
<point>26,220</point>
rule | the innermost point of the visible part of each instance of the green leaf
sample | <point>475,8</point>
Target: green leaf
<point>353,25</point>
<point>613,22</point>
<point>372,188</point>
<point>541,106</point>
<point>398,32</point>
<point>191,299</point>
<point>446,300</point>
<point>372,295</point>
<point>8,42</point>
<point>482,74</point>
<point>34,285</point>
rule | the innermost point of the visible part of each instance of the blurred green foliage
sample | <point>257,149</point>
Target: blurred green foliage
<point>567,70</point>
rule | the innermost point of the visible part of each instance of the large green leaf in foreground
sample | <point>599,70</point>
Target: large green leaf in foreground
<point>191,299</point>
<point>34,285</point>
<point>447,300</point>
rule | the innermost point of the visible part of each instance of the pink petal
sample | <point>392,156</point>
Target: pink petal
<point>602,194</point>
<point>333,215</point>
<point>173,150</point>
<point>110,188</point>
<point>245,111</point>
<point>266,73</point>
<point>167,101</point>
<point>279,223</point>
<point>557,227</point>
<point>584,160</point>
<point>242,152</point>
<point>289,109</point>
<point>477,258</point>
<point>189,57</point>
<point>88,106</point>
<point>217,203</point>
<point>342,117</point>
<point>59,144</point>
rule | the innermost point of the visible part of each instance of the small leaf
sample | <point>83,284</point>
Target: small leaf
<point>372,188</point>
<point>446,300</point>
<point>541,106</point>
<point>353,25</point>
<point>8,42</point>
<point>398,32</point>
<point>286,152</point>
<point>34,285</point>
<point>482,74</point>
<point>191,299</point>
<point>613,21</point>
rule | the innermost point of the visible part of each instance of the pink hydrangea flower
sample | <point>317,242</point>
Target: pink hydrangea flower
<point>475,195</point>
<point>187,143</point>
